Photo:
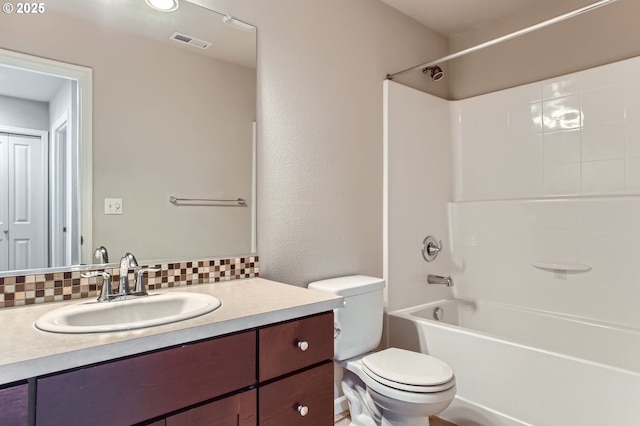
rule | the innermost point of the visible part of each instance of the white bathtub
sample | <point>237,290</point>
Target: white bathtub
<point>522,367</point>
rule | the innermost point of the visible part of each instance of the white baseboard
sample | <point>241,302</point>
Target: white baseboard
<point>340,405</point>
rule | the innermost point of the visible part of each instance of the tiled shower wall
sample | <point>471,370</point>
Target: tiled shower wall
<point>550,172</point>
<point>578,134</point>
<point>22,290</point>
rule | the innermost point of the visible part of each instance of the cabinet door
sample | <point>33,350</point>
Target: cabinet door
<point>293,345</point>
<point>302,399</point>
<point>135,389</point>
<point>235,410</point>
<point>14,403</point>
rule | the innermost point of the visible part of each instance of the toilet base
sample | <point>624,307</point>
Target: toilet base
<point>396,413</point>
<point>362,410</point>
<point>370,408</point>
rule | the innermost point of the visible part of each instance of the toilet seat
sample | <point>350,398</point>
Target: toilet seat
<point>408,371</point>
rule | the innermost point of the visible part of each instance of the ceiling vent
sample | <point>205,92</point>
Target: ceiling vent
<point>191,41</point>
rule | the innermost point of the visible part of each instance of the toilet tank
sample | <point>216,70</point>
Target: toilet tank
<point>360,320</point>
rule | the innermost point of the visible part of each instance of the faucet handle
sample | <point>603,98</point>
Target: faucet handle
<point>140,289</point>
<point>430,248</point>
<point>105,292</point>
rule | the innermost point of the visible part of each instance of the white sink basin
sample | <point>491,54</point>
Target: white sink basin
<point>141,312</point>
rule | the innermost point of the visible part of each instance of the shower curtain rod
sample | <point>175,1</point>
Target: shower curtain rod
<point>510,36</point>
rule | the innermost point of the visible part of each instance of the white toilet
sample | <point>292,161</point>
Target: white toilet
<point>393,387</point>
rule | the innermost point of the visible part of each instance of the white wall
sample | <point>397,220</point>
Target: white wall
<point>24,113</point>
<point>418,186</point>
<point>577,134</point>
<point>546,172</point>
<point>550,172</point>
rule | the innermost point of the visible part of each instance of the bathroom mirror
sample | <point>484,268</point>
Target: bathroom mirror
<point>173,114</point>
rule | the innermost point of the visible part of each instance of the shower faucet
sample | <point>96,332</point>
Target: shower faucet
<point>437,279</point>
<point>430,248</point>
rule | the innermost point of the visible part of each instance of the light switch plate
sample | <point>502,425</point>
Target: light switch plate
<point>113,206</point>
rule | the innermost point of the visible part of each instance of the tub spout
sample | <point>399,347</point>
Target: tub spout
<point>437,279</point>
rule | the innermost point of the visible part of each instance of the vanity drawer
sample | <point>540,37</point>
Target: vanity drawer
<point>279,350</point>
<point>238,409</point>
<point>311,389</point>
<point>14,403</point>
<point>135,389</point>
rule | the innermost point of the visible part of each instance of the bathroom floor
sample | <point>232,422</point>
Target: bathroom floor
<point>433,421</point>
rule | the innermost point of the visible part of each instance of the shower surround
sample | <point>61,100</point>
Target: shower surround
<point>546,173</point>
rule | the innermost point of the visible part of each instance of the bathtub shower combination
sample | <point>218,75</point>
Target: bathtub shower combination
<point>542,324</point>
<point>517,366</point>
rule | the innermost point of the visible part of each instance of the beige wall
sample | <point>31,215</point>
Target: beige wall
<point>604,35</point>
<point>165,122</point>
<point>321,64</point>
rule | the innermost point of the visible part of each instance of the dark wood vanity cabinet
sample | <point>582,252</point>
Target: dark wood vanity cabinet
<point>135,389</point>
<point>239,409</point>
<point>281,375</point>
<point>14,405</point>
<point>306,396</point>
<point>296,344</point>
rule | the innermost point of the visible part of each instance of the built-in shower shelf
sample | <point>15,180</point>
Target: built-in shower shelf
<point>567,267</point>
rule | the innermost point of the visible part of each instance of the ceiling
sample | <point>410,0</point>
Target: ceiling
<point>450,17</point>
<point>227,43</point>
<point>19,83</point>
<point>134,16</point>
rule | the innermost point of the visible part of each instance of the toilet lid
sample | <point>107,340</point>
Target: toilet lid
<point>406,367</point>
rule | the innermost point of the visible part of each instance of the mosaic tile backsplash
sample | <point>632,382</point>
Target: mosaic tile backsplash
<point>20,290</point>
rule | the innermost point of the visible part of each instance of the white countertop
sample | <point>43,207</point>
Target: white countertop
<point>28,352</point>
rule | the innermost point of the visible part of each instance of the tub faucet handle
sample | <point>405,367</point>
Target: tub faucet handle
<point>430,248</point>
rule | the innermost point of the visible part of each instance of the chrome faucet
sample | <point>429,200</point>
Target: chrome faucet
<point>101,255</point>
<point>141,289</point>
<point>105,292</point>
<point>437,279</point>
<point>127,262</point>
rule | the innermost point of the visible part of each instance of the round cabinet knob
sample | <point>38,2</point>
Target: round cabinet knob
<point>303,345</point>
<point>303,410</point>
